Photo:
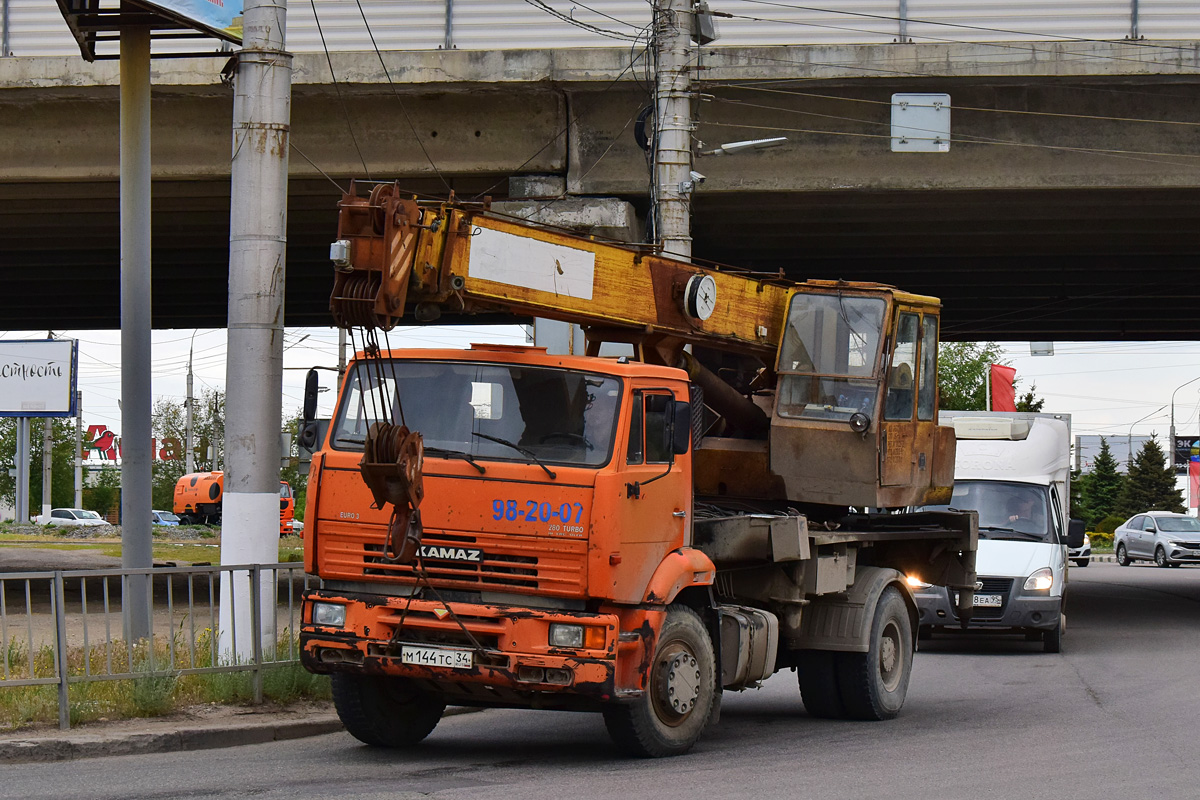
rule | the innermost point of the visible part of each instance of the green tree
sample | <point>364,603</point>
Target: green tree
<point>1028,401</point>
<point>169,420</point>
<point>962,367</point>
<point>1100,488</point>
<point>104,494</point>
<point>1150,485</point>
<point>62,462</point>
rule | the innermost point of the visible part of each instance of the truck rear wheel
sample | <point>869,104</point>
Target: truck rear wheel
<point>680,692</point>
<point>874,684</point>
<point>385,712</point>
<point>819,685</point>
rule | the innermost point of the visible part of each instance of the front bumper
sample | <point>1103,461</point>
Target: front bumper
<point>1183,555</point>
<point>1019,611</point>
<point>511,662</point>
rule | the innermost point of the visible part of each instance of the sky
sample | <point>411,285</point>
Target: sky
<point>1112,389</point>
<point>1109,388</point>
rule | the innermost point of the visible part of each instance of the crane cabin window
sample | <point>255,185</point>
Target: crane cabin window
<point>898,403</point>
<point>828,357</point>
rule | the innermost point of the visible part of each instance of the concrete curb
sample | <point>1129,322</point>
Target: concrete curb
<point>84,743</point>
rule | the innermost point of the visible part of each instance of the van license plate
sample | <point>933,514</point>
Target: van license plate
<point>989,600</point>
<point>436,657</point>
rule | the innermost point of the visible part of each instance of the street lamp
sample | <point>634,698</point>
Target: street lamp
<point>1177,388</point>
<point>1129,438</point>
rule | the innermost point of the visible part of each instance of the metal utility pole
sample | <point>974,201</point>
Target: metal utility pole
<point>254,372</point>
<point>22,465</point>
<point>47,457</point>
<point>673,150</point>
<point>47,463</point>
<point>135,328</point>
<point>189,457</point>
<point>78,461</point>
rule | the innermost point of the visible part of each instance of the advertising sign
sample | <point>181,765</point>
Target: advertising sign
<point>38,378</point>
<point>220,17</point>
<point>1187,450</point>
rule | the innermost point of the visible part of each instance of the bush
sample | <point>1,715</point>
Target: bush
<point>1110,524</point>
<point>1100,539</point>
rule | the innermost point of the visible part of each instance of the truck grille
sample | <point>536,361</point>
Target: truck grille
<point>1000,586</point>
<point>481,562</point>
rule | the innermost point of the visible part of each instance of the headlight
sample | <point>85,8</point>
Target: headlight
<point>331,615</point>
<point>566,635</point>
<point>579,636</point>
<point>1177,544</point>
<point>1039,581</point>
<point>916,583</point>
<point>1087,540</point>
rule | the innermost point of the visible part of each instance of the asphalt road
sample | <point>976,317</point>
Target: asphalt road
<point>1114,716</point>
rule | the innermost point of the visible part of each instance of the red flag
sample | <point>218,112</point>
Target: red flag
<point>1004,396</point>
<point>1194,481</point>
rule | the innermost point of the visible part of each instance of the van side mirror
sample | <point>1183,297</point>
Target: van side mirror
<point>1075,533</point>
<point>681,428</point>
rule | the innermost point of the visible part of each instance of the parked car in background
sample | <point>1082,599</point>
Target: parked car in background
<point>164,518</point>
<point>71,518</point>
<point>1166,538</point>
<point>1082,556</point>
<point>298,527</point>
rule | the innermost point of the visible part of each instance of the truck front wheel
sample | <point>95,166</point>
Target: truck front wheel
<point>874,684</point>
<point>385,712</point>
<point>680,692</point>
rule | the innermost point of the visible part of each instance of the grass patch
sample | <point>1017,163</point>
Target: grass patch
<point>186,551</point>
<point>159,689</point>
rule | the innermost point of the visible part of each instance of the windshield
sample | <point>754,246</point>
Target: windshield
<point>87,515</point>
<point>830,347</point>
<point>483,410</point>
<point>1006,510</point>
<point>1178,524</point>
<point>167,516</point>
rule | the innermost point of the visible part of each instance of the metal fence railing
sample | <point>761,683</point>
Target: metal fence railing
<point>66,627</point>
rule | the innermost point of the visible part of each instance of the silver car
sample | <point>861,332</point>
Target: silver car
<point>1163,537</point>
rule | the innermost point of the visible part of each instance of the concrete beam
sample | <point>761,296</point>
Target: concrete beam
<point>592,66</point>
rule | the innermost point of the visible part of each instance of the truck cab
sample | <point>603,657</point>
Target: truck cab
<point>557,489</point>
<point>1014,471</point>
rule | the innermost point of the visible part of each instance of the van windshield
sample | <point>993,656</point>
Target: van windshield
<point>484,411</point>
<point>1017,511</point>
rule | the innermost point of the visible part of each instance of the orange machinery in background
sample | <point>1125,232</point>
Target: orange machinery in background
<point>198,496</point>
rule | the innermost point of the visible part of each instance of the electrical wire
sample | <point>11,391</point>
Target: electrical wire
<point>338,91</point>
<point>412,127</point>
<point>538,4</point>
<point>954,25</point>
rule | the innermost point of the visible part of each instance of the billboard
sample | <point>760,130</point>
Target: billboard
<point>38,378</point>
<point>1187,450</point>
<point>1123,448</point>
<point>221,18</point>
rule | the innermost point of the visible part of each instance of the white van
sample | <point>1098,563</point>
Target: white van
<point>1015,470</point>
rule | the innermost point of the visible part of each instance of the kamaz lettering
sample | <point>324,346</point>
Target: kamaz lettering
<point>452,553</point>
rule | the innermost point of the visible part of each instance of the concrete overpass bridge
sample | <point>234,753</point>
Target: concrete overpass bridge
<point>1066,207</point>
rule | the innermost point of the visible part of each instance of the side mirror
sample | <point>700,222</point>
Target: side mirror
<point>312,385</point>
<point>681,427</point>
<point>1075,533</point>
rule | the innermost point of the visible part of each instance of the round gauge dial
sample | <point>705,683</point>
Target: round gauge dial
<point>700,297</point>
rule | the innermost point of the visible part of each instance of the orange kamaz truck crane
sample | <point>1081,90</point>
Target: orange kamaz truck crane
<point>506,527</point>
